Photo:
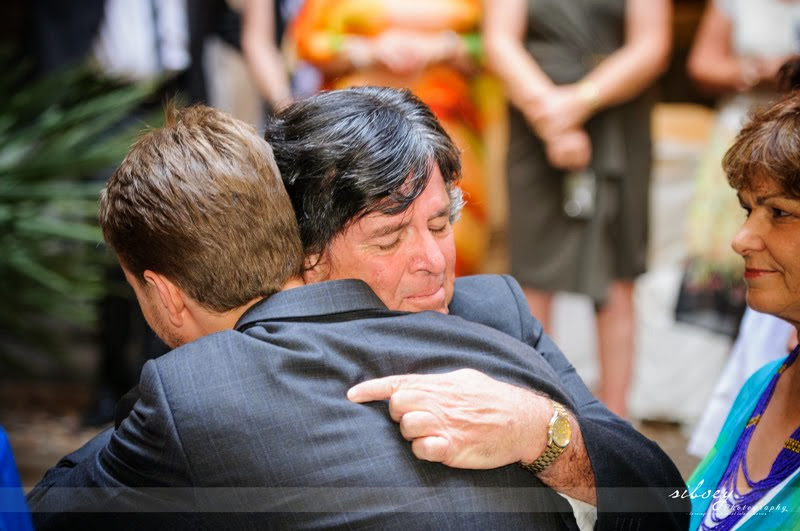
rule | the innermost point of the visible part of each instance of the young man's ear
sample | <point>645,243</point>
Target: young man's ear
<point>316,268</point>
<point>169,294</point>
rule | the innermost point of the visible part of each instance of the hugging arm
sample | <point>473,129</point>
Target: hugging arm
<point>118,472</point>
<point>631,472</point>
<point>465,419</point>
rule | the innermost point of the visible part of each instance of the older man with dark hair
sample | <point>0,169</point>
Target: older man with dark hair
<point>374,182</point>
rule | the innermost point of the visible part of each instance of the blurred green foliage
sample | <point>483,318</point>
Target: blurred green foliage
<point>60,135</point>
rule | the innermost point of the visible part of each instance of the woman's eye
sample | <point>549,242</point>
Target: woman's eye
<point>778,213</point>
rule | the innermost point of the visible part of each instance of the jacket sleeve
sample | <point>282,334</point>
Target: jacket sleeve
<point>139,469</point>
<point>635,479</point>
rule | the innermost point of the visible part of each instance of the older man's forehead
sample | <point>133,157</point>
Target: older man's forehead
<point>378,224</point>
<point>388,218</point>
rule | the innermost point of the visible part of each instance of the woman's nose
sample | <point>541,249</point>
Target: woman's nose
<point>749,237</point>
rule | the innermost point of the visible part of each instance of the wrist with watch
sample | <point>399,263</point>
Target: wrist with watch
<point>559,433</point>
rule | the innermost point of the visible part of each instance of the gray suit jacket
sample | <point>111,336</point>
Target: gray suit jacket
<point>251,428</point>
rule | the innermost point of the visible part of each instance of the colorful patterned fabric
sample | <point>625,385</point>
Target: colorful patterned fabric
<point>470,105</point>
<point>780,512</point>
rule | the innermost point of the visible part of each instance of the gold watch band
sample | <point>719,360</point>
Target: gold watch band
<point>553,450</point>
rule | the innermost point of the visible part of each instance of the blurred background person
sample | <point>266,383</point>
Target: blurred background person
<point>57,35</point>
<point>262,30</point>
<point>143,40</point>
<point>736,54</point>
<point>756,459</point>
<point>432,47</point>
<point>577,75</point>
<point>264,24</point>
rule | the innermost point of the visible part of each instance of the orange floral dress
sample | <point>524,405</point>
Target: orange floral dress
<point>469,102</point>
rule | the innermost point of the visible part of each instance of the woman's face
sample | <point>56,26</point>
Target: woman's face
<point>769,242</point>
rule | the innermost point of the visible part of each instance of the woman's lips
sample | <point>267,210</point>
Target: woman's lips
<point>756,273</point>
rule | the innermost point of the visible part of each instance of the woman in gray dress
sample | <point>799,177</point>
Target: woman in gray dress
<point>577,74</point>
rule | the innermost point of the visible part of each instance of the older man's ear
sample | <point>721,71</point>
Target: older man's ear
<point>316,268</point>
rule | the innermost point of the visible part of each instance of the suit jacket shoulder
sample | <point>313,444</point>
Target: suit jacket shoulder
<point>496,301</point>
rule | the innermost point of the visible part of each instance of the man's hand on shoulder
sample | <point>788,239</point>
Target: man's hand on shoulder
<point>463,419</point>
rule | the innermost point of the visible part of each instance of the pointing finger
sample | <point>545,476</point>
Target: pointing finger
<point>377,389</point>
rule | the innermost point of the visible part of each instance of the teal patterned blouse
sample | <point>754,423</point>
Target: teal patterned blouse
<point>780,512</point>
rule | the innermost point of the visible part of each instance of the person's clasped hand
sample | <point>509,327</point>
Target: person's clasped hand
<point>571,150</point>
<point>560,109</point>
<point>407,52</point>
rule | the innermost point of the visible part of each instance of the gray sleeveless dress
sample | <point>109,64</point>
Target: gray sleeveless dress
<point>550,251</point>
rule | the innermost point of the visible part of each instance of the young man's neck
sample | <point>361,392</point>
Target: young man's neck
<point>295,282</point>
<point>211,322</point>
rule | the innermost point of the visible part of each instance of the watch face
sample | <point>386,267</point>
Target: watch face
<point>561,431</point>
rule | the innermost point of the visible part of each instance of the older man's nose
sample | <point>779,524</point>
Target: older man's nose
<point>428,255</point>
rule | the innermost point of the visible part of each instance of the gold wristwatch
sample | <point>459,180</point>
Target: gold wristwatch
<point>558,436</point>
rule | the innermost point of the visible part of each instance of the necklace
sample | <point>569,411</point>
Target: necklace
<point>733,505</point>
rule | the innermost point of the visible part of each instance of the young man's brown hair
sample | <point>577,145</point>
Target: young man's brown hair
<point>201,201</point>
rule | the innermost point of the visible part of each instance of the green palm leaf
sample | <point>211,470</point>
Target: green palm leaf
<point>58,137</point>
